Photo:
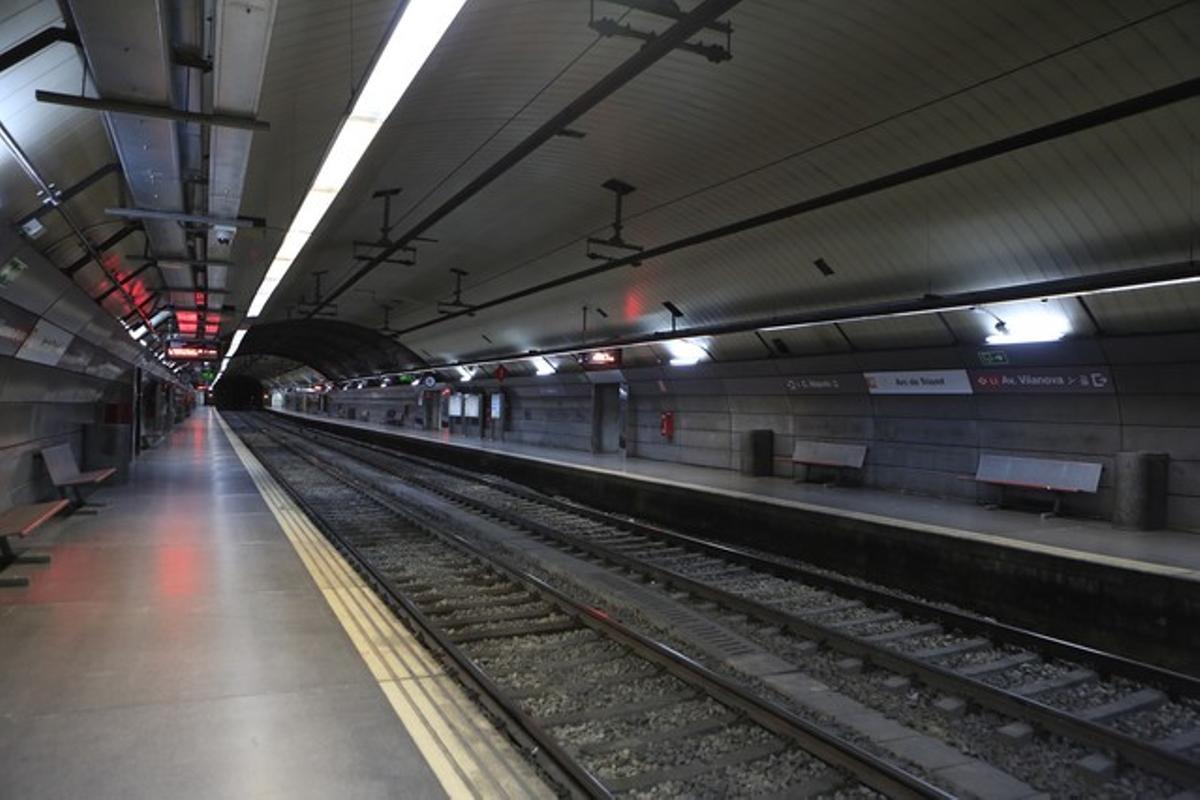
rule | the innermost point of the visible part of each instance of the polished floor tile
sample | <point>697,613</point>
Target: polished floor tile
<point>176,647</point>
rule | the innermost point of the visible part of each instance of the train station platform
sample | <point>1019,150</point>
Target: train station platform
<point>1171,553</point>
<point>198,638</point>
<point>1131,591</point>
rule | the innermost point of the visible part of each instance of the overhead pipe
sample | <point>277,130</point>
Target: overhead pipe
<point>50,197</point>
<point>1061,288</point>
<point>151,110</point>
<point>694,22</point>
<point>1141,104</point>
<point>107,244</point>
<point>71,191</point>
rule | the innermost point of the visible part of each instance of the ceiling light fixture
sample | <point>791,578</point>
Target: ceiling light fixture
<point>161,316</point>
<point>465,373</point>
<point>543,365</point>
<point>685,353</point>
<point>419,29</point>
<point>1027,328</point>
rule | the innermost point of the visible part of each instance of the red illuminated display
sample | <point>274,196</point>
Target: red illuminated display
<point>601,359</point>
<point>191,353</point>
<point>194,324</point>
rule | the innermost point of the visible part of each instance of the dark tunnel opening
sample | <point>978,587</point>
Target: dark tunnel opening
<point>238,393</point>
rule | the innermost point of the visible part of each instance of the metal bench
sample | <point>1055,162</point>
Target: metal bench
<point>828,454</point>
<point>1045,474</point>
<point>66,477</point>
<point>22,521</point>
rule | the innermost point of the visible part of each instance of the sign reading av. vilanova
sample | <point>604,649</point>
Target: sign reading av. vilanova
<point>1043,380</point>
<point>929,381</point>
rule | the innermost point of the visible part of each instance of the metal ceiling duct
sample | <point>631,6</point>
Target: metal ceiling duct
<point>153,52</point>
<point>242,31</point>
<point>128,52</point>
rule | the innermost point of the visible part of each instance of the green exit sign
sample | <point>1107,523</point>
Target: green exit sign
<point>992,358</point>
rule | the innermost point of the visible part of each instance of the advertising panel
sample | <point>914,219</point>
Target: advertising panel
<point>471,405</point>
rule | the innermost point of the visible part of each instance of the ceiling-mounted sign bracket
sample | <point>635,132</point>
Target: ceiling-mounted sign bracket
<point>456,304</point>
<point>668,9</point>
<point>305,305</point>
<point>385,235</point>
<point>600,249</point>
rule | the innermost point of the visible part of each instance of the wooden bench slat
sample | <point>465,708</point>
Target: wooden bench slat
<point>23,520</point>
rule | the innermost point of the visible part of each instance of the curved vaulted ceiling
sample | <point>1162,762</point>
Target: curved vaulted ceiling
<point>335,349</point>
<point>819,96</point>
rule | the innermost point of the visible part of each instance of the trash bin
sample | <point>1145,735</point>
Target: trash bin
<point>1140,501</point>
<point>758,452</point>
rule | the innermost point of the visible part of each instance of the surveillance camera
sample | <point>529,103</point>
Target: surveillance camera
<point>224,233</point>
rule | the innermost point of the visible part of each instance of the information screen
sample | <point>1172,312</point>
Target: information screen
<point>456,405</point>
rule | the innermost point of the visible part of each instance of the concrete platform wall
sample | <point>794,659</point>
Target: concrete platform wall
<point>924,444</point>
<point>62,358</point>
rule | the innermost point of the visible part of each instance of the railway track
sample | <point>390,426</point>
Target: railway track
<point>1121,710</point>
<point>607,711</point>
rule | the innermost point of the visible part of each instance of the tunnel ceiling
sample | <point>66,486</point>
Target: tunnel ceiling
<point>818,97</point>
<point>334,349</point>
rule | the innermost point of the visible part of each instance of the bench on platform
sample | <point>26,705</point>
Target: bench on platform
<point>1045,474</point>
<point>20,521</point>
<point>828,454</point>
<point>65,474</point>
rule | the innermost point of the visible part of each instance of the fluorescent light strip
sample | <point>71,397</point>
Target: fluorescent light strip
<point>408,47</point>
<point>235,343</point>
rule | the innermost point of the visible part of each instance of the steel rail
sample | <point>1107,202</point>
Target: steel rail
<point>872,770</point>
<point>1171,765</point>
<point>584,783</point>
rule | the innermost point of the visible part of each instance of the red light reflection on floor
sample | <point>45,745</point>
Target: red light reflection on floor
<point>177,571</point>
<point>67,578</point>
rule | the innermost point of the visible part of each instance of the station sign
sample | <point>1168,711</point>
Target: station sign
<point>192,352</point>
<point>1044,380</point>
<point>844,383</point>
<point>992,358</point>
<point>929,381</point>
